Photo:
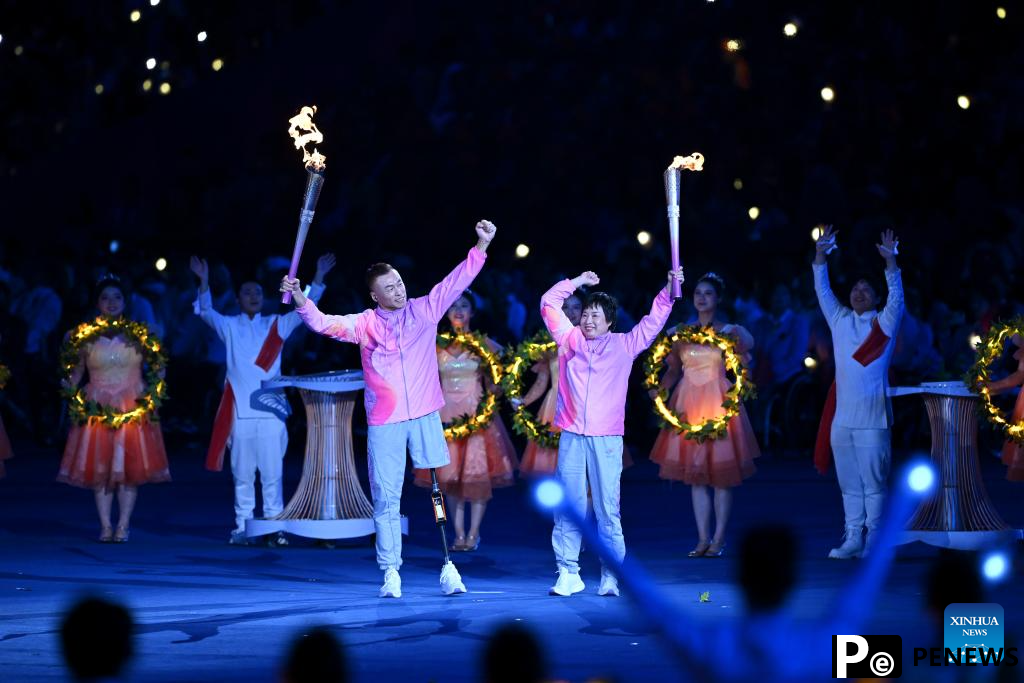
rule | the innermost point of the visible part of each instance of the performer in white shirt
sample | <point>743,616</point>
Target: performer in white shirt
<point>254,431</point>
<point>858,413</point>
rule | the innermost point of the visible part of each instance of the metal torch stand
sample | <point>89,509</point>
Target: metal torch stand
<point>329,502</point>
<point>959,514</point>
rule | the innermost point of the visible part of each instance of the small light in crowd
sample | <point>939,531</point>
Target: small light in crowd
<point>733,45</point>
<point>810,362</point>
<point>18,50</point>
<point>737,184</point>
<point>98,89</point>
<point>114,246</point>
<point>135,15</point>
<point>147,85</point>
<point>816,233</point>
<point>828,94</point>
<point>165,88</point>
<point>154,3</point>
<point>790,29</point>
<point>522,251</point>
<point>964,102</point>
<point>1001,12</point>
<point>995,566</point>
<point>643,237</point>
<point>1,38</point>
<point>753,212</point>
<point>974,340</point>
<point>921,478</point>
<point>549,493</point>
<point>201,36</point>
<point>218,64</point>
<point>161,263</point>
<point>151,63</point>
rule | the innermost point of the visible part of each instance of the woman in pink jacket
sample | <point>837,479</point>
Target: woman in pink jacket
<point>403,392</point>
<point>593,374</point>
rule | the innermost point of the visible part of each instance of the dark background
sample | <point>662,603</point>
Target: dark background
<point>553,119</point>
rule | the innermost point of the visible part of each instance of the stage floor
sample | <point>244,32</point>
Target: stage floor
<point>207,611</point>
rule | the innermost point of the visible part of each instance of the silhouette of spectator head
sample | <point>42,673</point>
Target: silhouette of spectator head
<point>96,637</point>
<point>315,656</point>
<point>767,566</point>
<point>953,577</point>
<point>513,655</point>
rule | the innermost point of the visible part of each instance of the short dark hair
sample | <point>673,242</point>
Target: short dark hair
<point>513,653</point>
<point>316,655</point>
<point>375,271</point>
<point>767,566</point>
<point>245,281</point>
<point>96,636</point>
<point>606,302</point>
<point>870,282</point>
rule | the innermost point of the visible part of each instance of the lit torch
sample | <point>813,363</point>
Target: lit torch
<point>304,132</point>
<point>694,162</point>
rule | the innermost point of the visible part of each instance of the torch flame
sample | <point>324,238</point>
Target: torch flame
<point>694,162</point>
<point>303,121</point>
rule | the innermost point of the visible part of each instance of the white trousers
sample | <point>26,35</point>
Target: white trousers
<point>386,446</point>
<point>863,457</point>
<point>257,445</point>
<point>597,459</point>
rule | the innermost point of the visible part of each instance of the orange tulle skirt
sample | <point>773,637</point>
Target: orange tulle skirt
<point>480,463</point>
<point>96,456</point>
<point>720,463</point>
<point>1013,453</point>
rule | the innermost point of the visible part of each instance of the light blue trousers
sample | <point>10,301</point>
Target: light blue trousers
<point>386,446</point>
<point>597,460</point>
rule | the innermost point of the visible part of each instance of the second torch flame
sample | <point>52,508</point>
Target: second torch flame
<point>303,133</point>
<point>694,162</point>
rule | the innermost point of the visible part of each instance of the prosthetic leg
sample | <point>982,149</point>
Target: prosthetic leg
<point>451,582</point>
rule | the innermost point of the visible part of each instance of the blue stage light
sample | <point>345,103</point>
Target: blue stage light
<point>995,566</point>
<point>921,478</point>
<point>549,493</point>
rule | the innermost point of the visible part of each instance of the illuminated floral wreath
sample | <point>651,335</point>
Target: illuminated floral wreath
<point>712,428</point>
<point>463,426</point>
<point>988,350</point>
<point>519,360</point>
<point>83,410</point>
<point>5,375</point>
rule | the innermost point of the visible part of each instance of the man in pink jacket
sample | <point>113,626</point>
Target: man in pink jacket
<point>397,345</point>
<point>593,373</point>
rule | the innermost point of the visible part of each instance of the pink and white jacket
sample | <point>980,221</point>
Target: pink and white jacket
<point>398,348</point>
<point>593,374</point>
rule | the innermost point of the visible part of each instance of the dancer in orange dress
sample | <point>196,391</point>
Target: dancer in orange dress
<point>721,464</point>
<point>1013,452</point>
<point>484,460</point>
<point>102,458</point>
<point>539,461</point>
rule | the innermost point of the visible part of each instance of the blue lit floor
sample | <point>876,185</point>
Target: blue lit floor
<point>208,611</point>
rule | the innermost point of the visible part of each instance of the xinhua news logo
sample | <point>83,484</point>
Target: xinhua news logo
<point>976,629</point>
<point>867,656</point>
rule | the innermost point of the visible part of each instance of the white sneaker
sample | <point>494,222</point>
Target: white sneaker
<point>392,587</point>
<point>238,537</point>
<point>853,545</point>
<point>567,583</point>
<point>451,582</point>
<point>609,585</point>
